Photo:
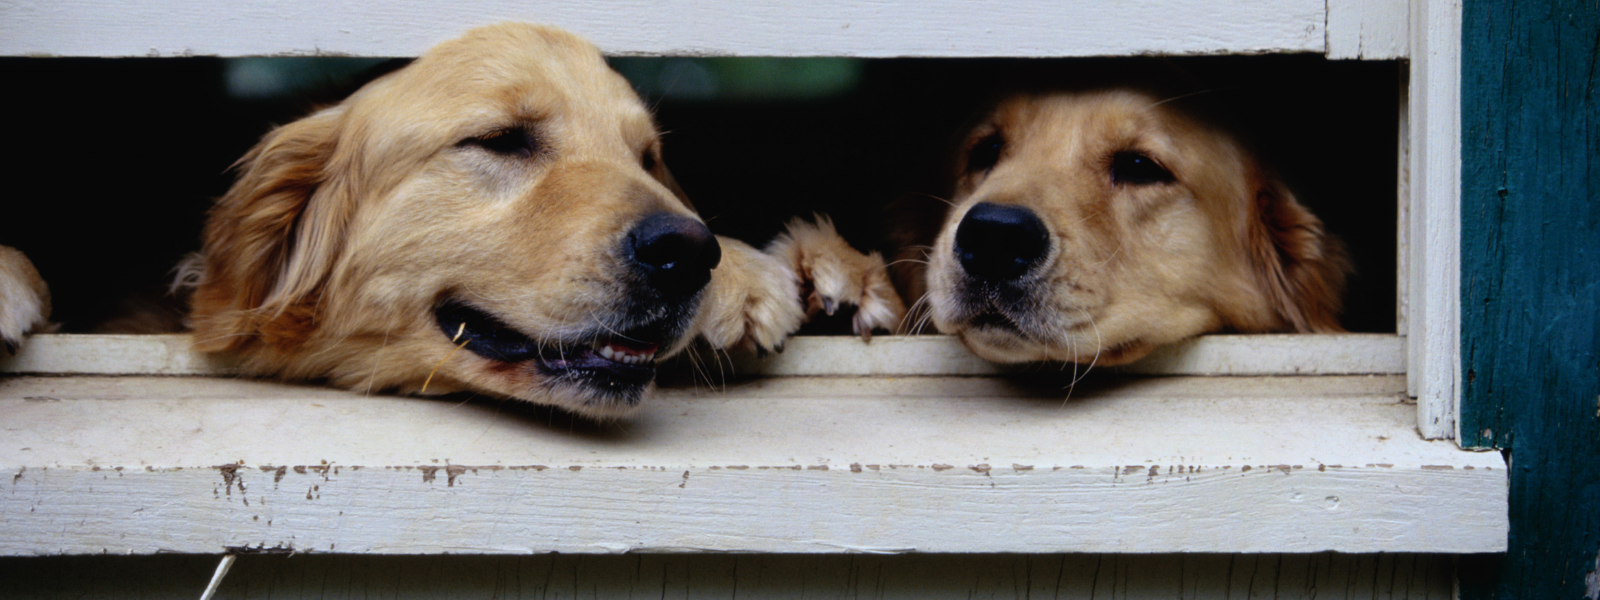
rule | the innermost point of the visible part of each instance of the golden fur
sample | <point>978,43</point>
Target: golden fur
<point>24,299</point>
<point>1134,260</point>
<point>354,236</point>
<point>493,218</point>
<point>833,274</point>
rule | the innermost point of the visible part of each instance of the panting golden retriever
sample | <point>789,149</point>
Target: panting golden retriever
<point>1094,226</point>
<point>496,216</point>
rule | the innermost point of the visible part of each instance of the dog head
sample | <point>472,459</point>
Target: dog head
<point>503,196</point>
<point>1096,226</point>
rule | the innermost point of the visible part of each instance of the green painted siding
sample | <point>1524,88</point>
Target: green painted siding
<point>1530,260</point>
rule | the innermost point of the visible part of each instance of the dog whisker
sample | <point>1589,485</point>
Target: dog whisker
<point>907,260</point>
<point>1188,95</point>
<point>935,197</point>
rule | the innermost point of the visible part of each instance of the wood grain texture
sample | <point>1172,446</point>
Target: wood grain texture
<point>796,464</point>
<point>1433,217</point>
<point>676,27</point>
<point>1531,283</point>
<point>1368,29</point>
<point>788,577</point>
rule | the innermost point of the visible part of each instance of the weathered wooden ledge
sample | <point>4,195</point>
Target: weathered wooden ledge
<point>144,464</point>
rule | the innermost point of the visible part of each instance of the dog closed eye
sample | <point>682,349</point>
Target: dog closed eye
<point>511,142</point>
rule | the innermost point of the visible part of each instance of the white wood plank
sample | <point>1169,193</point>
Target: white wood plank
<point>674,27</point>
<point>1434,216</point>
<point>73,354</point>
<point>796,464</point>
<point>745,576</point>
<point>1342,354</point>
<point>1209,355</point>
<point>1368,29</point>
<point>1347,354</point>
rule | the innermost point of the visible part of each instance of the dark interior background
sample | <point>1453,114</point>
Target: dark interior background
<point>112,163</point>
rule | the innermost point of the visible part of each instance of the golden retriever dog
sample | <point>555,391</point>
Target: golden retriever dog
<point>24,299</point>
<point>493,218</point>
<point>1094,226</point>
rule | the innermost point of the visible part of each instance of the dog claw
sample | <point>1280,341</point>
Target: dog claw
<point>11,348</point>
<point>837,274</point>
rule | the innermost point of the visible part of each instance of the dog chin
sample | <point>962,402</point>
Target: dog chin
<point>1007,343</point>
<point>1000,344</point>
<point>601,401</point>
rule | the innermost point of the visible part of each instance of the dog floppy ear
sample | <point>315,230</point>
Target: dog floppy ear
<point>270,243</point>
<point>1301,267</point>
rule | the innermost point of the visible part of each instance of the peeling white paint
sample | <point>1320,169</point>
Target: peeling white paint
<point>797,464</point>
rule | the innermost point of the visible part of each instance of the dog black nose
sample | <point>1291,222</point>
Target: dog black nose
<point>675,253</point>
<point>999,243</point>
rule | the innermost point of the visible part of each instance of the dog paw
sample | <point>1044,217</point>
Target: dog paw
<point>24,299</point>
<point>833,274</point>
<point>753,302</point>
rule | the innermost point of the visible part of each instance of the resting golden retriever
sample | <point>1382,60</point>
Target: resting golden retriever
<point>494,218</point>
<point>1094,226</point>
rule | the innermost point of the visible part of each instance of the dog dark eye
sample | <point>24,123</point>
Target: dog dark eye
<point>514,142</point>
<point>985,153</point>
<point>1137,169</point>
<point>648,160</point>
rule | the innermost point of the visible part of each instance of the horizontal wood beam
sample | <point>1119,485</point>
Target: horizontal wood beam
<point>786,464</point>
<point>688,27</point>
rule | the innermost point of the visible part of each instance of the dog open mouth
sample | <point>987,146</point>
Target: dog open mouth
<point>616,366</point>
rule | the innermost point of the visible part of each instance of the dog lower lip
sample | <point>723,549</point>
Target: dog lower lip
<point>626,360</point>
<point>995,320</point>
<point>483,334</point>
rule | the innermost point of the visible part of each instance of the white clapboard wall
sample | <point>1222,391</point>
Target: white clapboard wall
<point>1231,466</point>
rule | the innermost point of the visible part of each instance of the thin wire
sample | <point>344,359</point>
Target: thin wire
<point>216,578</point>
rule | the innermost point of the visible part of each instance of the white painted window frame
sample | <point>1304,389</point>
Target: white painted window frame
<point>1430,222</point>
<point>1425,349</point>
<point>1427,32</point>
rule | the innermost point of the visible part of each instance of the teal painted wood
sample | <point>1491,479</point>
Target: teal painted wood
<point>1530,260</point>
